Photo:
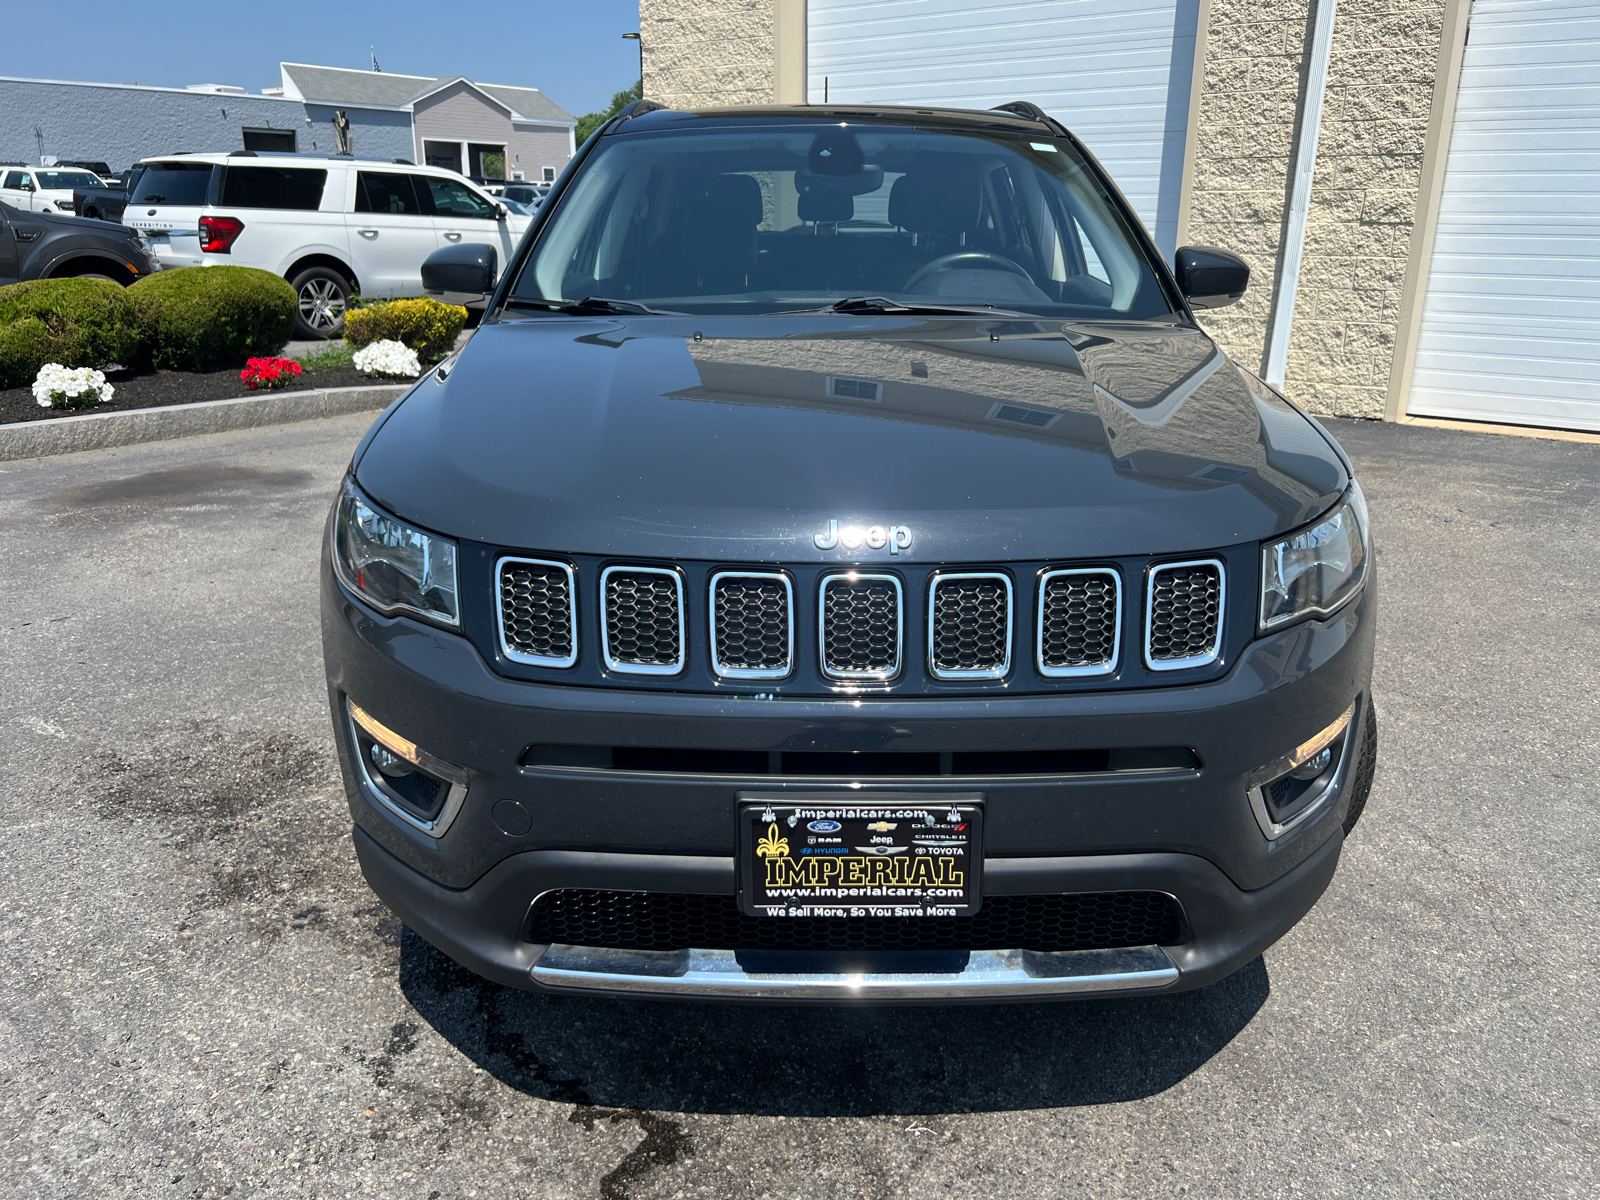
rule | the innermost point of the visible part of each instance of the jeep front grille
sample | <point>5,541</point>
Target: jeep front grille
<point>752,625</point>
<point>1080,622</point>
<point>641,620</point>
<point>859,621</point>
<point>1183,624</point>
<point>969,626</point>
<point>673,921</point>
<point>538,612</point>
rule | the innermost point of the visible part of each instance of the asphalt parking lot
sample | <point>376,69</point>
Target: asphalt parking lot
<point>199,997</point>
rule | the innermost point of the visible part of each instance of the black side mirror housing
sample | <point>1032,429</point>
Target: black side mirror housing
<point>463,274</point>
<point>1210,277</point>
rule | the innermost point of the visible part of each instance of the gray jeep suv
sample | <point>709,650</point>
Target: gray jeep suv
<point>840,569</point>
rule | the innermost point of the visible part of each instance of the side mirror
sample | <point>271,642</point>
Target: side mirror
<point>501,212</point>
<point>463,274</point>
<point>1209,277</point>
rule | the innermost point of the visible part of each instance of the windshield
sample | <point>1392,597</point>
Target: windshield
<point>67,180</point>
<point>769,219</point>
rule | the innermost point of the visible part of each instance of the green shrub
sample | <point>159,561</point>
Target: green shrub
<point>74,322</point>
<point>427,326</point>
<point>199,317</point>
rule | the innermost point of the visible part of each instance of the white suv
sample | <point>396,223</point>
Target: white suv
<point>331,226</point>
<point>44,189</point>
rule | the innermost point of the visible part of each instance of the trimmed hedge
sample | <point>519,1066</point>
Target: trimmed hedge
<point>427,326</point>
<point>197,317</point>
<point>74,322</point>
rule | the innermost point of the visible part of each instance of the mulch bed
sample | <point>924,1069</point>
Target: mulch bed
<point>154,389</point>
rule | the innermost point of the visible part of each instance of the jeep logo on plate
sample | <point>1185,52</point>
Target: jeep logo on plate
<point>874,537</point>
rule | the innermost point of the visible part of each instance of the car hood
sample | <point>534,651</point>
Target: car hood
<point>740,439</point>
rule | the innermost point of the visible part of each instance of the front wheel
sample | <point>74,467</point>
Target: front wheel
<point>320,298</point>
<point>1366,769</point>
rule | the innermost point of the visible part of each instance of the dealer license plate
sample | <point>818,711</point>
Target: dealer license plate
<point>903,856</point>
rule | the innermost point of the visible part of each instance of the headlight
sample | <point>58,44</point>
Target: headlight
<point>1313,572</point>
<point>391,565</point>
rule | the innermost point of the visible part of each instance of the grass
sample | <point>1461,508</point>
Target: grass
<point>331,357</point>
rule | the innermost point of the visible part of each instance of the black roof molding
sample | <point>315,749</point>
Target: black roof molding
<point>639,107</point>
<point>1030,111</point>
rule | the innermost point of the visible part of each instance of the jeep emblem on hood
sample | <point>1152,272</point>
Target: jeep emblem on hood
<point>874,537</point>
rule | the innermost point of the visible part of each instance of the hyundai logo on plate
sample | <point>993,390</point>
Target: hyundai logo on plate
<point>824,827</point>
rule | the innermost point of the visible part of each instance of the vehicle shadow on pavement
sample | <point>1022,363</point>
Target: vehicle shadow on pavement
<point>816,1062</point>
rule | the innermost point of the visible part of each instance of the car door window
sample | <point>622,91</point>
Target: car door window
<point>273,187</point>
<point>14,180</point>
<point>386,192</point>
<point>453,199</point>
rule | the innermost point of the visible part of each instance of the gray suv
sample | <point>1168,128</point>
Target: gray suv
<point>840,569</point>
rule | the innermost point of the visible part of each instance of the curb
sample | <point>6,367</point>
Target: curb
<point>95,431</point>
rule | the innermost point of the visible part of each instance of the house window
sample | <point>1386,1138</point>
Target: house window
<point>549,174</point>
<point>271,140</point>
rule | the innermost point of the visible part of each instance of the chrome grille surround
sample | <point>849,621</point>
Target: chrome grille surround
<point>532,658</point>
<point>940,635</point>
<point>1179,610</point>
<point>1104,666</point>
<point>613,622</point>
<point>720,612</point>
<point>838,646</point>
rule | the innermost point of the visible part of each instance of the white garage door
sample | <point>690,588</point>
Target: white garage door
<point>1511,321</point>
<point>1115,72</point>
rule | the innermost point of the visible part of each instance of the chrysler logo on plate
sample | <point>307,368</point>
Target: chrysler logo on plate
<point>874,537</point>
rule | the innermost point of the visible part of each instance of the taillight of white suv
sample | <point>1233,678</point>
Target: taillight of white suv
<point>217,234</point>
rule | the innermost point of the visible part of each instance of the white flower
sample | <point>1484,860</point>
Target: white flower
<point>388,358</point>
<point>57,387</point>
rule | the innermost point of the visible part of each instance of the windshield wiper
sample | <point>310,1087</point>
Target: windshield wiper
<point>595,306</point>
<point>882,305</point>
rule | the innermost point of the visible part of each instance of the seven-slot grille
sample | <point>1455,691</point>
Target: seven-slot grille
<point>969,626</point>
<point>1183,624</point>
<point>752,625</point>
<point>860,617</point>
<point>538,612</point>
<point>1080,622</point>
<point>859,622</point>
<point>641,620</point>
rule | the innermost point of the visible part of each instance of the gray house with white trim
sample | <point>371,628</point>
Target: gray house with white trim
<point>447,120</point>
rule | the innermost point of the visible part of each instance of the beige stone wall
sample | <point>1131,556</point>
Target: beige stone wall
<point>707,53</point>
<point>1363,204</point>
<point>1364,192</point>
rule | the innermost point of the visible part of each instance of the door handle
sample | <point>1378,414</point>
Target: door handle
<point>368,233</point>
<point>454,237</point>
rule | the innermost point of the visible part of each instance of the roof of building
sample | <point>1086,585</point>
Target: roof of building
<point>381,89</point>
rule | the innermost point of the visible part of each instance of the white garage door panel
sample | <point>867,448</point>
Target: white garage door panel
<point>1511,320</point>
<point>1116,74</point>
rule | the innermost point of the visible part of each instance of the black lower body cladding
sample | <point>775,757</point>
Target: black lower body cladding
<point>1144,794</point>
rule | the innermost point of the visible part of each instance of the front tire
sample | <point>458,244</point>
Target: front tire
<point>1366,769</point>
<point>321,295</point>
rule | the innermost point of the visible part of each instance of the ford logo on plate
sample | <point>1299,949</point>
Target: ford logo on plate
<point>824,827</point>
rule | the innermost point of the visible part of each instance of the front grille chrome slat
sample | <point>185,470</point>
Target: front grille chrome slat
<point>860,626</point>
<point>642,625</point>
<point>537,613</point>
<point>1183,614</point>
<point>969,625</point>
<point>752,625</point>
<point>1079,622</point>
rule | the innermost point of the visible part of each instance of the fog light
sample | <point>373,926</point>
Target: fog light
<point>1287,790</point>
<point>389,763</point>
<point>1313,766</point>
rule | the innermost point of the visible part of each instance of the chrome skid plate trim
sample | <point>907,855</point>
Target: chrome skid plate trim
<point>988,973</point>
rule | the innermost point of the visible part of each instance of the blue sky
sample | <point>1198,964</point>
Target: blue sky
<point>573,51</point>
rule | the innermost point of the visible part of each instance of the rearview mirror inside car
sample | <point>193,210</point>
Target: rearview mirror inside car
<point>1210,277</point>
<point>463,274</point>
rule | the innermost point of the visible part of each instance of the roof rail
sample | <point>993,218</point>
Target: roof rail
<point>1030,111</point>
<point>639,107</point>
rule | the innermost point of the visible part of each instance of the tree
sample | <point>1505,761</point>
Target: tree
<point>589,122</point>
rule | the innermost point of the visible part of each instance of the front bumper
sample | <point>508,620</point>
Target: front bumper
<point>1189,833</point>
<point>481,927</point>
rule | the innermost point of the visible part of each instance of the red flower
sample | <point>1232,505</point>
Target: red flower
<point>268,372</point>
